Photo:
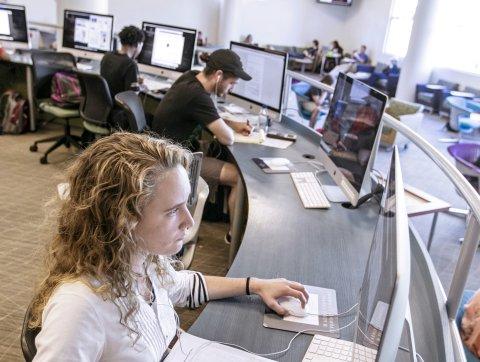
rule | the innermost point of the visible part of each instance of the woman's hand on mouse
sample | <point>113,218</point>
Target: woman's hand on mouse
<point>272,289</point>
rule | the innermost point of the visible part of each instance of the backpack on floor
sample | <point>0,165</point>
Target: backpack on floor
<point>13,112</point>
<point>66,91</point>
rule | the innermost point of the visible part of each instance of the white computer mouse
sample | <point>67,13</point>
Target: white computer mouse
<point>293,306</point>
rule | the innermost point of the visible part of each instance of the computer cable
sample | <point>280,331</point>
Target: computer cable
<point>206,344</point>
<point>377,346</point>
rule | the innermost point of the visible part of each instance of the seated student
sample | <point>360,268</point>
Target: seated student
<point>201,41</point>
<point>361,56</point>
<point>468,321</point>
<point>335,48</point>
<point>110,285</point>
<point>187,108</point>
<point>316,99</point>
<point>248,39</point>
<point>120,69</point>
<point>312,51</point>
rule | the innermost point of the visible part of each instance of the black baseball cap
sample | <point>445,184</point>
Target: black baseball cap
<point>228,61</point>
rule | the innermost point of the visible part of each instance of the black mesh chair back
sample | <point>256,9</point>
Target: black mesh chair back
<point>130,102</point>
<point>97,102</point>
<point>45,65</point>
<point>194,175</point>
<point>27,338</point>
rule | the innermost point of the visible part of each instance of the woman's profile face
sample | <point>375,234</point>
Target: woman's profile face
<point>165,218</point>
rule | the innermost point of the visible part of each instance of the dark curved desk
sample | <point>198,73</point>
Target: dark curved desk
<point>326,248</point>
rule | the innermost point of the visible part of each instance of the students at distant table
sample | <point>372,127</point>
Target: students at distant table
<point>311,52</point>
<point>120,69</point>
<point>188,108</point>
<point>248,39</point>
<point>336,49</point>
<point>110,286</point>
<point>361,56</point>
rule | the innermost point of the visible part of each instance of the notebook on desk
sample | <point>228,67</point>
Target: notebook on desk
<point>155,84</point>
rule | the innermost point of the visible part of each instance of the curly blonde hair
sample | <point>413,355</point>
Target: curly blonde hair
<point>110,182</point>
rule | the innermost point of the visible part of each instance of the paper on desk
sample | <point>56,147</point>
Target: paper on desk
<point>197,349</point>
<point>312,312</point>
<point>254,137</point>
<point>233,108</point>
<point>241,118</point>
<point>379,315</point>
<point>277,163</point>
<point>276,143</point>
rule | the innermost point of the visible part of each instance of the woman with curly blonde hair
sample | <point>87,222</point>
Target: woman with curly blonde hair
<point>110,286</point>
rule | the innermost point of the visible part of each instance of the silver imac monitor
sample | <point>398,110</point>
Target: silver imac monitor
<point>87,35</point>
<point>351,135</point>
<point>267,69</point>
<point>383,297</point>
<point>13,27</point>
<point>168,50</point>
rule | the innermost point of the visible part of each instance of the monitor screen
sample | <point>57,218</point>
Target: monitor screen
<point>87,31</point>
<point>168,47</point>
<point>351,127</point>
<point>267,69</point>
<point>385,283</point>
<point>13,23</point>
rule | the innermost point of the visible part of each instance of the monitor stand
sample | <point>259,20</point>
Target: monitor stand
<point>334,193</point>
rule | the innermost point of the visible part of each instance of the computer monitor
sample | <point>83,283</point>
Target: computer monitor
<point>13,26</point>
<point>88,34</point>
<point>383,297</point>
<point>168,50</point>
<point>267,69</point>
<point>351,134</point>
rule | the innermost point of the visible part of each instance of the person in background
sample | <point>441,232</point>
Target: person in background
<point>468,322</point>
<point>312,51</point>
<point>201,40</point>
<point>392,69</point>
<point>248,39</point>
<point>361,56</point>
<point>336,48</point>
<point>316,99</point>
<point>110,285</point>
<point>187,109</point>
<point>120,69</point>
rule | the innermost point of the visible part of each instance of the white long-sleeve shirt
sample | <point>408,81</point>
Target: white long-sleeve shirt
<point>78,325</point>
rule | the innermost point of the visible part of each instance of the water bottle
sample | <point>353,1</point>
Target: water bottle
<point>263,119</point>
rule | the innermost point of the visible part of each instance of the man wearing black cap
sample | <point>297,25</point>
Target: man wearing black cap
<point>187,108</point>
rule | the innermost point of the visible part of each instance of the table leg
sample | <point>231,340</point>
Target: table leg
<point>237,226</point>
<point>31,105</point>
<point>302,69</point>
<point>432,230</point>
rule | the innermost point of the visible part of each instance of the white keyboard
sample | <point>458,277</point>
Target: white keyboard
<point>327,349</point>
<point>309,190</point>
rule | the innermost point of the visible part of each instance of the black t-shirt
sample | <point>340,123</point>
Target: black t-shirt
<point>184,111</point>
<point>119,71</point>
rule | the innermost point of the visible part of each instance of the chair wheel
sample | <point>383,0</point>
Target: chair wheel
<point>43,160</point>
<point>33,148</point>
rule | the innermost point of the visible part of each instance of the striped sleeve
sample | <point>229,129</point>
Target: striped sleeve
<point>189,289</point>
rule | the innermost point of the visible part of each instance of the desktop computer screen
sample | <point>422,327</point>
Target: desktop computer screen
<point>168,47</point>
<point>13,23</point>
<point>267,69</point>
<point>87,31</point>
<point>351,133</point>
<point>383,297</point>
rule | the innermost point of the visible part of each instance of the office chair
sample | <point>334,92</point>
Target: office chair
<point>45,65</point>
<point>196,203</point>
<point>97,103</point>
<point>27,338</point>
<point>130,102</point>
